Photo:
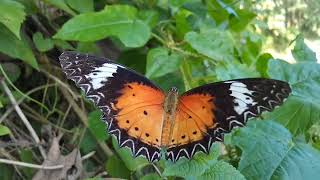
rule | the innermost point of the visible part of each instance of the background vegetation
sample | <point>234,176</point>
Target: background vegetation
<point>46,121</point>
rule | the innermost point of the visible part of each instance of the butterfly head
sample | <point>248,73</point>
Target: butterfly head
<point>174,90</point>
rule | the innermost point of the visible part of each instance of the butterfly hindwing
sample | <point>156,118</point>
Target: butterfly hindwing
<point>124,97</point>
<point>215,109</point>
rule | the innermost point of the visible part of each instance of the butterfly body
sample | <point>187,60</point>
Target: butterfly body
<point>169,106</point>
<point>145,119</point>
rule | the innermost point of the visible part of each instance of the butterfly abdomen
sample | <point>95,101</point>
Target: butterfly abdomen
<point>169,107</point>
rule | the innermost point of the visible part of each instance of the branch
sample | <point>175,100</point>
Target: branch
<point>23,117</point>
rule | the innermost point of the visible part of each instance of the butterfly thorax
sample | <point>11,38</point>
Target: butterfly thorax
<point>169,107</point>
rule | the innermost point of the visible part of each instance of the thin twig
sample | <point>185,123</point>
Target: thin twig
<point>35,166</point>
<point>23,117</point>
<point>88,155</point>
<point>9,110</point>
<point>61,83</point>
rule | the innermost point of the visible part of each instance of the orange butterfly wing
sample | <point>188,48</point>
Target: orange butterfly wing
<point>131,104</point>
<point>206,113</point>
<point>194,118</point>
<point>139,114</point>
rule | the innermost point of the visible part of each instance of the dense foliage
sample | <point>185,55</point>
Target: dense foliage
<point>182,43</point>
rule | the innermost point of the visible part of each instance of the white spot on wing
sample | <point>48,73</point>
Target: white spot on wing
<point>241,94</point>
<point>99,75</point>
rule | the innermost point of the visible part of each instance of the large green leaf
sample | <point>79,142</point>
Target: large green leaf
<point>234,70</point>
<point>12,15</point>
<point>302,108</point>
<point>16,48</point>
<point>269,152</point>
<point>216,44</point>
<point>160,63</point>
<point>118,20</point>
<point>302,52</point>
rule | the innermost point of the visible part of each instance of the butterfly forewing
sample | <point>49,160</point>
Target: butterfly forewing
<point>205,113</point>
<point>131,104</point>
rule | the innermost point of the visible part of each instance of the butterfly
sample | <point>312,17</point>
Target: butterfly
<point>146,119</point>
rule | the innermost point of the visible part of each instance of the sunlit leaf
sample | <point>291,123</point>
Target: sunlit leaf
<point>118,20</point>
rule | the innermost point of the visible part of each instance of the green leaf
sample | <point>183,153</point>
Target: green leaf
<point>26,156</point>
<point>42,44</point>
<point>219,11</point>
<point>117,20</point>
<point>239,23</point>
<point>152,176</point>
<point>301,52</point>
<point>215,44</point>
<point>149,17</point>
<point>134,59</point>
<point>1,105</point>
<point>96,126</point>
<point>126,156</point>
<point>160,62</point>
<point>4,130</point>
<point>302,109</point>
<point>88,47</point>
<point>83,7</point>
<point>12,15</point>
<point>116,168</point>
<point>194,167</point>
<point>62,5</point>
<point>88,143</point>
<point>16,48</point>
<point>12,70</point>
<point>234,70</point>
<point>167,81</point>
<point>182,24</point>
<point>262,64</point>
<point>269,152</point>
<point>222,171</point>
<point>63,44</point>
<point>7,171</point>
